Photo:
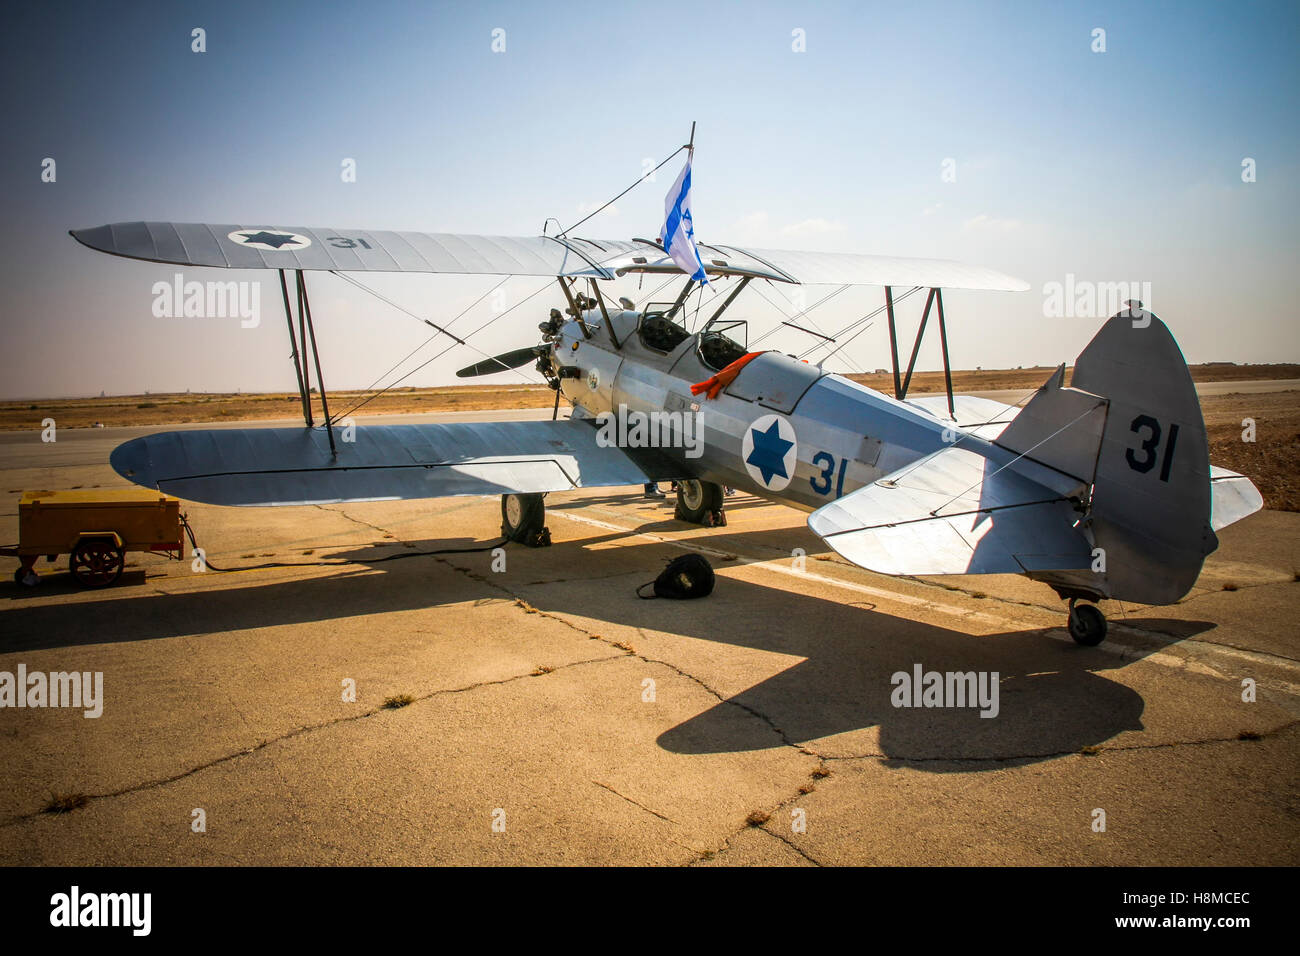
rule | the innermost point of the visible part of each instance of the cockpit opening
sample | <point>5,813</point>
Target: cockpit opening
<point>659,331</point>
<point>719,346</point>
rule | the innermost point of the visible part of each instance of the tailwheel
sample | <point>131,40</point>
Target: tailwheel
<point>523,519</point>
<point>1087,624</point>
<point>96,562</point>
<point>700,502</point>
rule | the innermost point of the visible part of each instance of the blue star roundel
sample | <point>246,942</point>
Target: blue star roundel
<point>769,450</point>
<point>269,240</point>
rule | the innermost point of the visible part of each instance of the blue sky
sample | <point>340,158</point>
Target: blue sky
<point>1115,166</point>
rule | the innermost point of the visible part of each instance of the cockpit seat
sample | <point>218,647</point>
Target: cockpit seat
<point>661,333</point>
<point>717,351</point>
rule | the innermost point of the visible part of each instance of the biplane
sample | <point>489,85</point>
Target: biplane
<point>1101,488</point>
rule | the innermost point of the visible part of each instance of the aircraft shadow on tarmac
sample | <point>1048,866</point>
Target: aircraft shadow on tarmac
<point>1053,697</point>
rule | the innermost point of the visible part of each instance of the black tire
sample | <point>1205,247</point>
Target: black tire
<point>697,500</point>
<point>96,562</point>
<point>1087,625</point>
<point>523,517</point>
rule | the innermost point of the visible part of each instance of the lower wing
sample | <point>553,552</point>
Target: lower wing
<point>295,466</point>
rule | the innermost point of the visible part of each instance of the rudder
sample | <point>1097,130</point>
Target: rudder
<point>1150,509</point>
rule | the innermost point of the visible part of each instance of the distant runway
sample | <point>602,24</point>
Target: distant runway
<point>1203,389</point>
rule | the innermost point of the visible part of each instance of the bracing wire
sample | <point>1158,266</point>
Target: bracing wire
<point>642,178</point>
<point>866,318</point>
<point>444,351</point>
<point>440,330</point>
<point>804,313</point>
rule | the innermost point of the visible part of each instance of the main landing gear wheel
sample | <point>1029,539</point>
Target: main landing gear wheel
<point>523,519</point>
<point>700,502</point>
<point>1087,624</point>
<point>96,562</point>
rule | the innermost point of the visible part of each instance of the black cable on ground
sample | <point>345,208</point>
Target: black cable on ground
<point>312,564</point>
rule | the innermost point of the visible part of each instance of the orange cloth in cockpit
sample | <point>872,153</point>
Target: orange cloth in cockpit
<point>713,386</point>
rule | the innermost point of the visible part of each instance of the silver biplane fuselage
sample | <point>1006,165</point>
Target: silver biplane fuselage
<point>846,435</point>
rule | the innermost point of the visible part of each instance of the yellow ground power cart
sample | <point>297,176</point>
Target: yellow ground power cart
<point>96,528</point>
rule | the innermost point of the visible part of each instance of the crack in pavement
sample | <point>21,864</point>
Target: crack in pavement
<point>636,803</point>
<point>298,732</point>
<point>529,609</point>
<point>792,845</point>
<point>726,844</point>
<point>759,715</point>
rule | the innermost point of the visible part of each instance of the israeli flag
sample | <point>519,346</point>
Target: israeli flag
<point>678,233</point>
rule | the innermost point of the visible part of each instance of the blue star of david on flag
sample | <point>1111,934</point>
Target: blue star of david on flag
<point>678,232</point>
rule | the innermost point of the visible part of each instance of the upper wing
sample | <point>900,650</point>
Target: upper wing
<point>350,250</point>
<point>367,250</point>
<point>848,268</point>
<point>294,466</point>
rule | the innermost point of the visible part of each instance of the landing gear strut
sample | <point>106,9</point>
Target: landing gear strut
<point>1087,624</point>
<point>700,502</point>
<point>523,519</point>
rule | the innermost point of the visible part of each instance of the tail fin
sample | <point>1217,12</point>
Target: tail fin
<point>1100,489</point>
<point>1150,505</point>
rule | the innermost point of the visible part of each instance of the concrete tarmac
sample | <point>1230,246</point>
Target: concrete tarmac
<point>555,718</point>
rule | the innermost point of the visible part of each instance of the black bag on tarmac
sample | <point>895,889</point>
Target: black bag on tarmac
<point>689,576</point>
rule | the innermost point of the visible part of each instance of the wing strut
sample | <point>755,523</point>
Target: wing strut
<point>609,326</point>
<point>293,353</point>
<point>943,342</point>
<point>893,340</point>
<point>315,354</point>
<point>574,308</point>
<point>306,330</point>
<point>723,308</point>
<point>901,384</point>
<point>681,299</point>
<point>916,346</point>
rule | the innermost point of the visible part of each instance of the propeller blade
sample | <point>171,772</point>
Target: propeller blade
<point>501,363</point>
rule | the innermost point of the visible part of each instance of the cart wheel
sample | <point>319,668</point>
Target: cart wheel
<point>96,562</point>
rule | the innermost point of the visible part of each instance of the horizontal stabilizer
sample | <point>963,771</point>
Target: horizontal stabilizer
<point>294,466</point>
<point>1232,497</point>
<point>957,512</point>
